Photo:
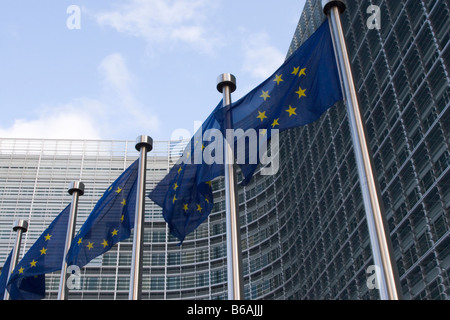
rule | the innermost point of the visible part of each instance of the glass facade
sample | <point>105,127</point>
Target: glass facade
<point>34,177</point>
<point>303,231</point>
<point>402,77</point>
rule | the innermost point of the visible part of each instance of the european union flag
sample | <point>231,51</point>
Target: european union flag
<point>110,221</point>
<point>298,93</point>
<point>4,275</point>
<point>185,193</point>
<point>27,281</point>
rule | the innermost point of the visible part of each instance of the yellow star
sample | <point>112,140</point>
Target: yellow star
<point>48,236</point>
<point>275,123</point>
<point>296,71</point>
<point>124,202</point>
<point>262,116</point>
<point>174,199</point>
<point>199,208</point>
<point>90,245</point>
<point>118,190</point>
<point>21,270</point>
<point>262,131</point>
<point>180,169</point>
<point>114,232</point>
<point>278,79</point>
<point>175,186</point>
<point>43,251</point>
<point>185,207</point>
<point>121,218</point>
<point>302,72</point>
<point>209,183</point>
<point>291,111</point>
<point>265,95</point>
<point>301,92</point>
<point>104,243</point>
<point>33,263</point>
<point>80,240</point>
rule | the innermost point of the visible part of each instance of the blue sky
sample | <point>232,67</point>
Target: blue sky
<point>134,66</point>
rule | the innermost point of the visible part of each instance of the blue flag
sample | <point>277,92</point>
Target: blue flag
<point>185,193</point>
<point>110,221</point>
<point>298,93</point>
<point>27,281</point>
<point>4,275</point>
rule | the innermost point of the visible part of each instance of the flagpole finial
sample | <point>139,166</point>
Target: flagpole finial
<point>144,141</point>
<point>226,79</point>
<point>328,4</point>
<point>20,224</point>
<point>76,186</point>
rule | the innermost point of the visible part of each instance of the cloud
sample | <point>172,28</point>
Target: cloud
<point>260,58</point>
<point>115,114</point>
<point>161,21</point>
<point>116,73</point>
<point>70,121</point>
<point>124,109</point>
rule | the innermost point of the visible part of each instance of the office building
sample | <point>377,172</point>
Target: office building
<point>304,232</point>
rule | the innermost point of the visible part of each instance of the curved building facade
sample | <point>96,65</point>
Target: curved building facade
<point>303,231</point>
<point>401,72</point>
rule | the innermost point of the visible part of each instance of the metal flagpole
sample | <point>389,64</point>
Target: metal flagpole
<point>76,189</point>
<point>144,144</point>
<point>20,226</point>
<point>386,273</point>
<point>226,83</point>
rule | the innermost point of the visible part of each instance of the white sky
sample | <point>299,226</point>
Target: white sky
<point>135,66</point>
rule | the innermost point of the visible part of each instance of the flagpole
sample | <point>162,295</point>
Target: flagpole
<point>144,144</point>
<point>76,189</point>
<point>20,226</point>
<point>226,83</point>
<point>388,280</point>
